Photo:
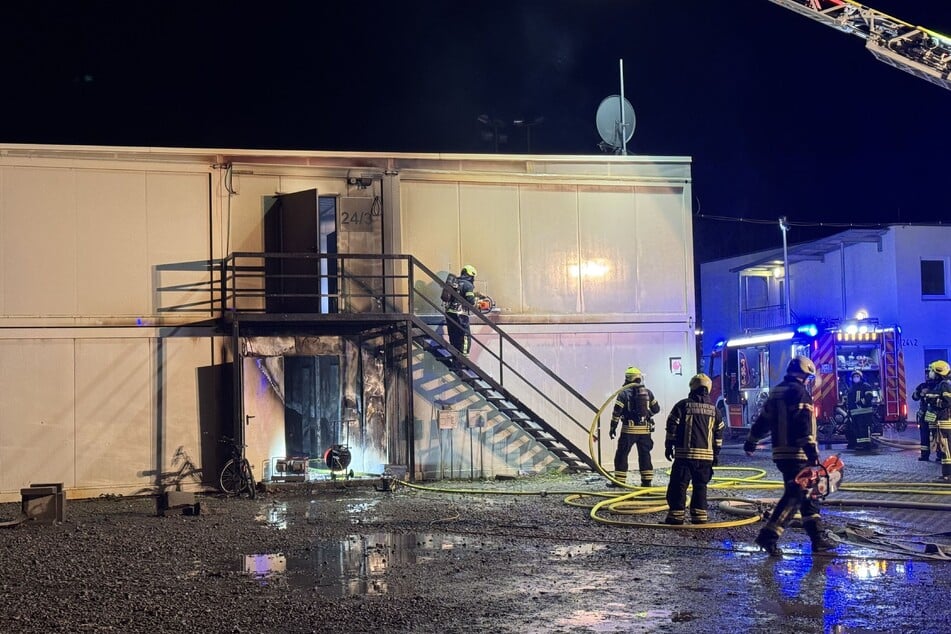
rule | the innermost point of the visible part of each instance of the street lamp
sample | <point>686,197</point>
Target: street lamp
<point>784,227</point>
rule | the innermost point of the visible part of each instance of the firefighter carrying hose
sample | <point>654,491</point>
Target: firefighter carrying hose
<point>693,441</point>
<point>939,404</point>
<point>790,419</point>
<point>926,427</point>
<point>633,409</point>
<point>861,401</point>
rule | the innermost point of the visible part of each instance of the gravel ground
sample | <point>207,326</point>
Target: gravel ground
<point>334,558</point>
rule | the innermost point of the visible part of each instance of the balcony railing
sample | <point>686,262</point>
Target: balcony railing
<point>765,317</point>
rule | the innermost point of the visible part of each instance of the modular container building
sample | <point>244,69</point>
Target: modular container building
<point>154,300</point>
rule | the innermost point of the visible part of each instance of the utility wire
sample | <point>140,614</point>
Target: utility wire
<point>793,223</point>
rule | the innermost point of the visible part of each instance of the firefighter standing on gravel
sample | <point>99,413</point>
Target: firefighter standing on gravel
<point>861,401</point>
<point>939,404</point>
<point>926,427</point>
<point>693,441</point>
<point>633,409</point>
<point>790,419</point>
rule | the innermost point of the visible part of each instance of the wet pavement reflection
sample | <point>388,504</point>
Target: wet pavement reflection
<point>615,617</point>
<point>846,593</point>
<point>356,565</point>
<point>854,589</point>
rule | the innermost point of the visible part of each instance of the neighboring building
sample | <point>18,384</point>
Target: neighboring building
<point>899,275</point>
<point>127,331</point>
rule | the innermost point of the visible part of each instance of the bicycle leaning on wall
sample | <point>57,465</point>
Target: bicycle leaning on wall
<point>236,477</point>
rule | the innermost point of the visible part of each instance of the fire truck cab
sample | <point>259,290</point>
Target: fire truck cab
<point>743,369</point>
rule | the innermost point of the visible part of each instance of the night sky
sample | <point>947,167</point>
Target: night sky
<point>782,115</point>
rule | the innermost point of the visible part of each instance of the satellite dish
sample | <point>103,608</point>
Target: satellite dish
<point>608,120</point>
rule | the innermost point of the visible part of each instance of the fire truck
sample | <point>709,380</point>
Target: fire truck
<point>744,368</point>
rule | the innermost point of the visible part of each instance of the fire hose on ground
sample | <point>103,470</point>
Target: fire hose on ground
<point>610,508</point>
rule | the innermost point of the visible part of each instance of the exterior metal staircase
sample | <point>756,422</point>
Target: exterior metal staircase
<point>356,294</point>
<point>501,400</point>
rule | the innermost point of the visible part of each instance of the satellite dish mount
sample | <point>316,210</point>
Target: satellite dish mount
<point>615,120</point>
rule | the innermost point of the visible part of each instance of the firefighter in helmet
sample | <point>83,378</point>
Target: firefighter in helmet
<point>633,411</point>
<point>457,312</point>
<point>861,401</point>
<point>939,404</point>
<point>693,441</point>
<point>926,427</point>
<point>790,419</point>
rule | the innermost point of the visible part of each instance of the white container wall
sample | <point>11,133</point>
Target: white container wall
<point>589,259</point>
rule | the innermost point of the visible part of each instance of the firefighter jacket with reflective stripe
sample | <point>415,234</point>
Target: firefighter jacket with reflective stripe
<point>789,417</point>
<point>694,429</point>
<point>633,410</point>
<point>921,391</point>
<point>466,288</point>
<point>939,404</point>
<point>861,398</point>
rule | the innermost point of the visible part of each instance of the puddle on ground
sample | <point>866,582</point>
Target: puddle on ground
<point>616,618</point>
<point>274,515</point>
<point>356,565</point>
<point>576,550</point>
<point>280,515</point>
<point>360,511</point>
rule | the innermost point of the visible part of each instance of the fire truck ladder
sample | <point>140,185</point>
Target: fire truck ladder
<point>913,49</point>
<point>894,377</point>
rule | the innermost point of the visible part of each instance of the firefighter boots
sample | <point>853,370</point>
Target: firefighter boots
<point>821,543</point>
<point>768,543</point>
<point>818,536</point>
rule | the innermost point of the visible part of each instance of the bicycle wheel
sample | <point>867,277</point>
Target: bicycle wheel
<point>247,479</point>
<point>230,479</point>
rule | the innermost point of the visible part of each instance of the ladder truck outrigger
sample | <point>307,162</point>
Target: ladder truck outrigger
<point>922,52</point>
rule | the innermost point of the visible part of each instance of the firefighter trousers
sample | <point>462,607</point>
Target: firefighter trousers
<point>862,430</point>
<point>794,498</point>
<point>460,333</point>
<point>926,435</point>
<point>943,441</point>
<point>644,444</point>
<point>684,473</point>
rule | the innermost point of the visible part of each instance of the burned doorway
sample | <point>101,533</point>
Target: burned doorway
<point>311,404</point>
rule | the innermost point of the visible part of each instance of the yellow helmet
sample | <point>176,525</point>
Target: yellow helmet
<point>701,380</point>
<point>856,373</point>
<point>469,270</point>
<point>941,368</point>
<point>801,366</point>
<point>633,375</point>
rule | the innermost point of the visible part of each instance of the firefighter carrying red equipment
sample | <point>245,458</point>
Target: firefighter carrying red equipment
<point>823,479</point>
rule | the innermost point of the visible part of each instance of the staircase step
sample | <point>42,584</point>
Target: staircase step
<point>544,441</point>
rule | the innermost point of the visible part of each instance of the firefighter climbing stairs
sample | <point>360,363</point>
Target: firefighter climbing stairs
<point>503,401</point>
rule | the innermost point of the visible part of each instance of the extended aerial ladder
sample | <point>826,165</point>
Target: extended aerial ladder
<point>913,49</point>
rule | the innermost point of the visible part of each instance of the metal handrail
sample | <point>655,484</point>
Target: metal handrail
<point>238,284</point>
<point>503,336</point>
